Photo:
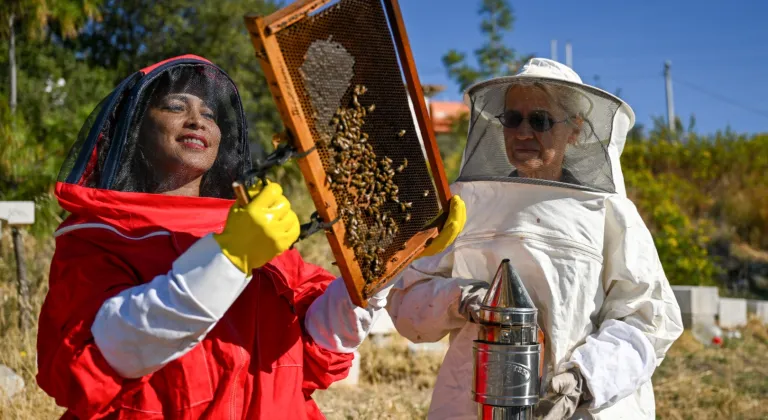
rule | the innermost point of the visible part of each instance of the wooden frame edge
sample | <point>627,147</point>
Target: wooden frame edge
<point>286,99</point>
<point>291,14</point>
<point>408,65</point>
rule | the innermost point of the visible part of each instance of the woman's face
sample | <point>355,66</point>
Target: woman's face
<point>180,138</point>
<point>537,153</point>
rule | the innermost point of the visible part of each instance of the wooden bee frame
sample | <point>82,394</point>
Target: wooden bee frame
<point>264,32</point>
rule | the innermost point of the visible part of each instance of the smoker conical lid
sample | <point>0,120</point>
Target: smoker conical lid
<point>507,300</point>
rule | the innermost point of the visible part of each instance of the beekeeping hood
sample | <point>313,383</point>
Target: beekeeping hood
<point>591,163</point>
<point>108,154</point>
<point>583,253</point>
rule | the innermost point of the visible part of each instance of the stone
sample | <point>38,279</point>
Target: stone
<point>698,304</point>
<point>689,320</point>
<point>10,383</point>
<point>732,313</point>
<point>696,299</point>
<point>759,308</point>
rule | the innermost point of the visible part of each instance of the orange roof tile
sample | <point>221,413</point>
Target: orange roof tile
<point>443,114</point>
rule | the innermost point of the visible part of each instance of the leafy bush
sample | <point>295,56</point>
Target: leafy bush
<point>723,179</point>
<point>681,244</point>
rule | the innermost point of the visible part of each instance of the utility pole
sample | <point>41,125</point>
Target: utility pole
<point>670,100</point>
<point>568,55</point>
<point>553,49</point>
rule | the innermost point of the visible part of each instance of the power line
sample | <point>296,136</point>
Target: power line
<point>708,55</point>
<point>722,98</point>
<point>632,78</point>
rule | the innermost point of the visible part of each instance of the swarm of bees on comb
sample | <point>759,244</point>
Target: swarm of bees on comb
<point>363,183</point>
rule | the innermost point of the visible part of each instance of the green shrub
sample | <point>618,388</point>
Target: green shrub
<point>681,243</point>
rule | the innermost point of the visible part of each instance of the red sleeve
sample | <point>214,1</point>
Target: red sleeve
<point>321,367</point>
<point>71,369</point>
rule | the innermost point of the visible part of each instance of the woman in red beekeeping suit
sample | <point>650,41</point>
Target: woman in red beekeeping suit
<point>166,300</point>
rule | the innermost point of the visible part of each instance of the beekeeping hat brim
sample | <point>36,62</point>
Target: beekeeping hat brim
<point>544,71</point>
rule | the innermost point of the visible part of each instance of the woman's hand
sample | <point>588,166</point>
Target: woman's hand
<point>568,391</point>
<point>260,231</point>
<point>471,299</point>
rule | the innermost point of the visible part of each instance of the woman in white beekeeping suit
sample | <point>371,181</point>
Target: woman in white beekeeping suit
<point>543,187</point>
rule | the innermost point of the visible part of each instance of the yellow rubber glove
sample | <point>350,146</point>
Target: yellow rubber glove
<point>457,216</point>
<point>262,230</point>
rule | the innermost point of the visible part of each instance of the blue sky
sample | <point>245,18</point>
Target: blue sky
<point>718,50</point>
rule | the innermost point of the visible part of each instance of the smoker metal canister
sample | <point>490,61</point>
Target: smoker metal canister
<point>507,351</point>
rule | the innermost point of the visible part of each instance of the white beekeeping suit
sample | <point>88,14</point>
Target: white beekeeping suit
<point>584,254</point>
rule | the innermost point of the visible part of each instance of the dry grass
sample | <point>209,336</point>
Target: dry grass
<point>393,384</point>
<point>17,351</point>
<point>693,382</point>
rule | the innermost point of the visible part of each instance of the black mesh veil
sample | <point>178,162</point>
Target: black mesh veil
<point>596,122</point>
<point>123,147</point>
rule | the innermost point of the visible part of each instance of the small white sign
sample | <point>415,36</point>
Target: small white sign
<point>17,212</point>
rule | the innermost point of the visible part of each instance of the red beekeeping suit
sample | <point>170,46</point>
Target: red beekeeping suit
<point>244,355</point>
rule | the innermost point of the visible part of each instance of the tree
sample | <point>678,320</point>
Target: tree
<point>494,58</point>
<point>36,17</point>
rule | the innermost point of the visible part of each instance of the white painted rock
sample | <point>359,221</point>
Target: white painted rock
<point>733,313</point>
<point>698,304</point>
<point>759,308</point>
<point>10,383</point>
<point>696,299</point>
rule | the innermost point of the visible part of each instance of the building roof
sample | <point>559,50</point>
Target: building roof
<point>443,113</point>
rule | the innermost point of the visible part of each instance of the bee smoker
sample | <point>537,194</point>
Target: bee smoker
<point>507,350</point>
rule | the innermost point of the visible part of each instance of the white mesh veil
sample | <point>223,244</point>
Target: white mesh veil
<point>590,162</point>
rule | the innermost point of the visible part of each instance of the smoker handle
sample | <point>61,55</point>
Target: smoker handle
<point>281,155</point>
<point>316,224</point>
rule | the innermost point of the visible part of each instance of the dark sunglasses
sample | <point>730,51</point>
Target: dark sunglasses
<point>540,121</point>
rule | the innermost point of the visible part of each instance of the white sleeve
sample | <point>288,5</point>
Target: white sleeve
<point>639,319</point>
<point>337,324</point>
<point>424,301</point>
<point>144,327</point>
